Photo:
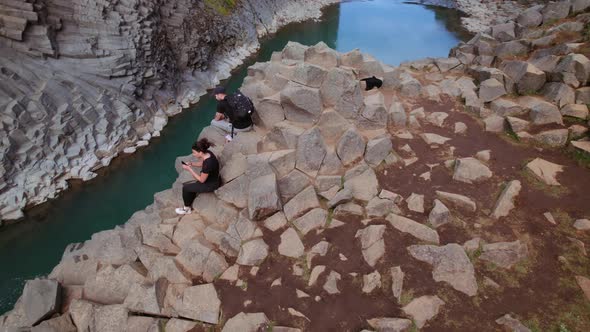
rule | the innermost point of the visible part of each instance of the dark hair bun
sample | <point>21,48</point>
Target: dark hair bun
<point>202,145</point>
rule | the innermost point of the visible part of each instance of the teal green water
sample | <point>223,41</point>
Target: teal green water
<point>390,30</point>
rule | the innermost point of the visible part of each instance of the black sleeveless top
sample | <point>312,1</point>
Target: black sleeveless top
<point>211,167</point>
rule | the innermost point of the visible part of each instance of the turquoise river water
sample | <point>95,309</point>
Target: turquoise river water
<point>390,30</point>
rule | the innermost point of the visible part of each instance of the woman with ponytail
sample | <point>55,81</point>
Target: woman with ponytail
<point>206,181</point>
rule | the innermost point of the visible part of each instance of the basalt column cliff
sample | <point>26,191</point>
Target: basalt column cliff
<point>80,81</point>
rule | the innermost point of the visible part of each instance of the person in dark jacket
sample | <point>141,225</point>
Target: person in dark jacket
<point>206,181</point>
<point>224,118</point>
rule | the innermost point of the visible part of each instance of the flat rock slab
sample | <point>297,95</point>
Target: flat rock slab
<point>291,245</point>
<point>504,254</point>
<point>545,171</point>
<point>451,265</point>
<point>390,324</point>
<point>414,228</point>
<point>253,252</point>
<point>41,299</point>
<point>457,200</point>
<point>434,139</point>
<point>201,303</point>
<point>512,324</point>
<point>415,203</point>
<point>471,170</point>
<point>246,322</point>
<point>505,202</point>
<point>582,145</point>
<point>423,309</point>
<point>372,244</point>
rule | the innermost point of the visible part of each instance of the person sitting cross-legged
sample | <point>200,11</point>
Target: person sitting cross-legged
<point>206,181</point>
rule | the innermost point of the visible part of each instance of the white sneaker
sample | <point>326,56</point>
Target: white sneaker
<point>183,210</point>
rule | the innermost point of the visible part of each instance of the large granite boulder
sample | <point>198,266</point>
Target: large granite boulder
<point>311,151</point>
<point>350,147</point>
<point>41,298</point>
<point>450,264</point>
<point>526,76</point>
<point>263,197</point>
<point>301,103</point>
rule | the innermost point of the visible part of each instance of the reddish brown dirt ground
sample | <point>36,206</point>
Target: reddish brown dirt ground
<point>540,291</point>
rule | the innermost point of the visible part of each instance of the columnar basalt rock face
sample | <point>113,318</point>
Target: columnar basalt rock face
<point>82,81</point>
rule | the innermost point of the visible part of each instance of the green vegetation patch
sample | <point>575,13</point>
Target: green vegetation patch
<point>223,7</point>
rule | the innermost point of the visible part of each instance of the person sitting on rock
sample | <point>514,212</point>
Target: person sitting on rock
<point>234,112</point>
<point>206,181</point>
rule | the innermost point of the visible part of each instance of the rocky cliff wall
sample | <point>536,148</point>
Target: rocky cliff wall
<point>480,14</point>
<point>82,81</point>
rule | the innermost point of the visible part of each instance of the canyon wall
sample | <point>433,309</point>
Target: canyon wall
<point>82,81</point>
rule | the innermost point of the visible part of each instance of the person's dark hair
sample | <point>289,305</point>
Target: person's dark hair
<point>202,145</point>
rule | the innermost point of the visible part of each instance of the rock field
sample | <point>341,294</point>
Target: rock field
<point>454,198</point>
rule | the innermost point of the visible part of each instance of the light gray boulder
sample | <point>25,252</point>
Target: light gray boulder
<point>283,162</point>
<point>308,74</point>
<point>553,138</point>
<point>450,264</point>
<point>527,78</point>
<point>512,48</point>
<point>322,55</point>
<point>390,324</point>
<point>423,309</point>
<point>504,254</point>
<point>555,11</point>
<point>263,197</point>
<point>301,103</point>
<point>372,244</point>
<point>246,322</point>
<point>419,231</point>
<point>579,111</point>
<point>332,125</point>
<point>342,92</point>
<point>350,147</point>
<point>505,202</point>
<point>253,252</point>
<point>577,65</point>
<point>311,151</point>
<point>292,184</point>
<point>283,135</point>
<point>269,111</point>
<point>397,115</point>
<point>540,111</point>
<point>301,203</point>
<point>293,51</point>
<point>377,150</point>
<point>439,215</point>
<point>471,170</point>
<point>491,89</point>
<point>41,298</point>
<point>530,18</point>
<point>505,107</point>
<point>504,32</point>
<point>560,93</point>
<point>110,318</point>
<point>291,245</point>
<point>342,196</point>
<point>314,219</point>
<point>516,124</point>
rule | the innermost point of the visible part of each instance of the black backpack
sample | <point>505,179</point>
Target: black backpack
<point>242,109</point>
